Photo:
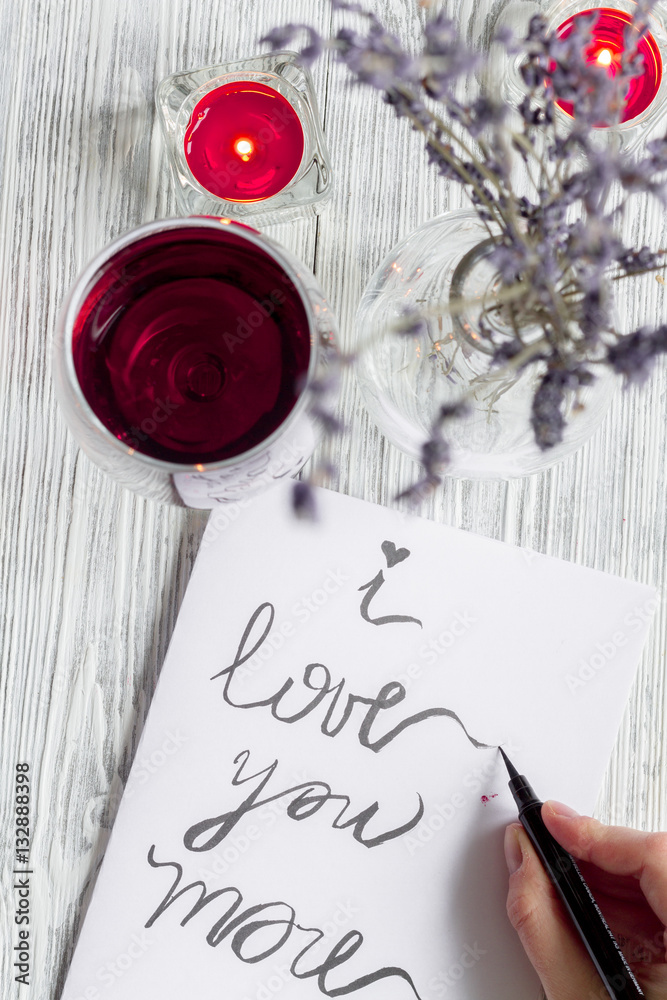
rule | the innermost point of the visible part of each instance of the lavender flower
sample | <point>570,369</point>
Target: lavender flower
<point>634,354</point>
<point>411,323</point>
<point>548,413</point>
<point>434,454</point>
<point>303,500</point>
<point>445,58</point>
<point>278,38</point>
<point>633,261</point>
<point>377,58</point>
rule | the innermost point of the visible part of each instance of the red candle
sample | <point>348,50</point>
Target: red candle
<point>606,49</point>
<point>244,141</point>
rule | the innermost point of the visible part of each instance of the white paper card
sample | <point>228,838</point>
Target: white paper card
<point>311,707</point>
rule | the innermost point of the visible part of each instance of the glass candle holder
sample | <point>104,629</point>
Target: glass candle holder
<point>645,108</point>
<point>185,358</point>
<point>244,139</point>
<point>606,50</point>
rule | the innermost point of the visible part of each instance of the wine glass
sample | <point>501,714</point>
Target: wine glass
<point>191,359</point>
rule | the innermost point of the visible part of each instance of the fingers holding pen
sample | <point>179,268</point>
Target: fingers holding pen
<point>615,850</point>
<point>548,936</point>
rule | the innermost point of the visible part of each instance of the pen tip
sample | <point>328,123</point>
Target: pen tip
<point>513,773</point>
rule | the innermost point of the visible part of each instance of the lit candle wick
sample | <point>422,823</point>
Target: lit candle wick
<point>245,148</point>
<point>604,57</point>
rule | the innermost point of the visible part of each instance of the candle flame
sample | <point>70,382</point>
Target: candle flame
<point>604,57</point>
<point>245,148</point>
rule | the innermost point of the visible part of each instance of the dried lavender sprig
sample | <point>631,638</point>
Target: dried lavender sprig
<point>633,355</point>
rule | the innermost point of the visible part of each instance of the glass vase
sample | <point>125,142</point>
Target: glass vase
<point>406,378</point>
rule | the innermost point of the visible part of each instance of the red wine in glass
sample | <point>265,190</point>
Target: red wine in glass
<point>192,345</point>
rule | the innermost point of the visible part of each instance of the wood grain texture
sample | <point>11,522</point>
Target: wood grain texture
<point>91,577</point>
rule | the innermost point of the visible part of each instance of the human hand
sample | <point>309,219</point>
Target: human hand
<point>627,873</point>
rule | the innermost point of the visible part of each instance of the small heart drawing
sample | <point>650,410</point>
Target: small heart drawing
<point>394,555</point>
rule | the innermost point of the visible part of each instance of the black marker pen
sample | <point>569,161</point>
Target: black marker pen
<point>601,945</point>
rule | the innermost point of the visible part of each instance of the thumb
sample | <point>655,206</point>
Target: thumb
<point>544,927</point>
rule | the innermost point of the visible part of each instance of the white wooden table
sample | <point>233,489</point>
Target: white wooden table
<point>92,576</point>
